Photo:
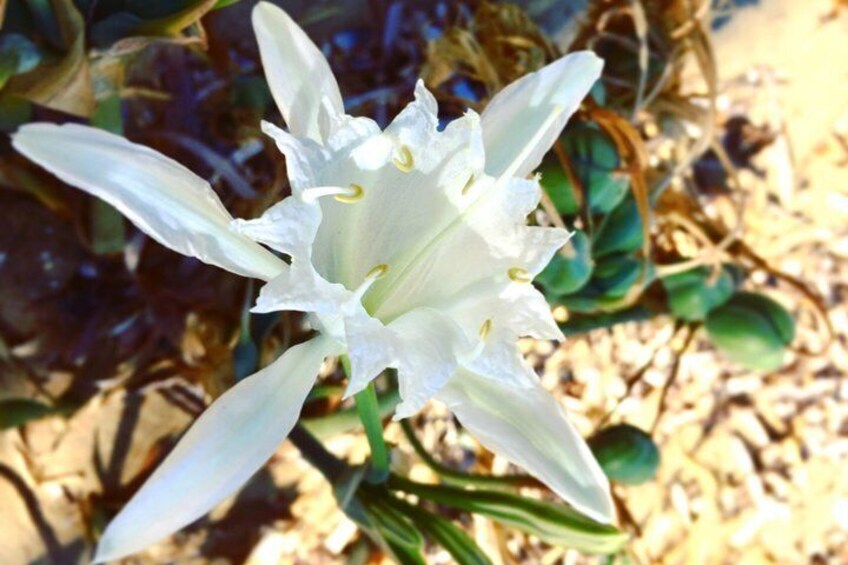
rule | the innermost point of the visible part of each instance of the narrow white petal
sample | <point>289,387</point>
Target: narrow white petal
<point>302,289</point>
<point>300,78</point>
<point>523,120</point>
<point>525,425</point>
<point>288,227</point>
<point>224,447</point>
<point>163,198</point>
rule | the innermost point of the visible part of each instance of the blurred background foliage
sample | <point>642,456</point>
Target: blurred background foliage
<point>645,175</point>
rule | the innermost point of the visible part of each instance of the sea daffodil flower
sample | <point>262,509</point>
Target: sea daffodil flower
<point>408,248</point>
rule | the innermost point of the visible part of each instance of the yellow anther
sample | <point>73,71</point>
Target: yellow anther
<point>356,193</point>
<point>485,329</point>
<point>377,272</point>
<point>519,275</point>
<point>404,161</point>
<point>468,184</point>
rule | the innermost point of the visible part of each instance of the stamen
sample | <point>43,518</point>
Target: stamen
<point>404,162</point>
<point>354,194</point>
<point>371,277</point>
<point>377,272</point>
<point>341,193</point>
<point>485,329</point>
<point>468,184</point>
<point>474,352</point>
<point>519,275</point>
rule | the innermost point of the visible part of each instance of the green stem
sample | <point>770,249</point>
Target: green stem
<point>314,451</point>
<point>369,412</point>
<point>454,476</point>
<point>347,420</point>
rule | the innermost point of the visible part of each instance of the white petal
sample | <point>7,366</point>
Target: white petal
<point>300,78</point>
<point>430,348</point>
<point>304,157</point>
<point>518,311</point>
<point>225,446</point>
<point>302,289</point>
<point>525,425</point>
<point>424,346</point>
<point>163,198</point>
<point>288,227</point>
<point>524,119</point>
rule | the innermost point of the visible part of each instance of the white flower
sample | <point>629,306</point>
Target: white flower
<point>409,249</point>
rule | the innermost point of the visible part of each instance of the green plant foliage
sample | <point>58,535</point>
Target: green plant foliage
<point>752,330</point>
<point>626,454</point>
<point>554,523</point>
<point>569,269</point>
<point>615,274</point>
<point>595,161</point>
<point>558,186</point>
<point>692,294</point>
<point>18,54</point>
<point>17,412</point>
<point>447,534</point>
<point>620,232</point>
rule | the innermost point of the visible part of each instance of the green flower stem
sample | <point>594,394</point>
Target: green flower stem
<point>348,420</point>
<point>314,451</point>
<point>369,412</point>
<point>454,476</point>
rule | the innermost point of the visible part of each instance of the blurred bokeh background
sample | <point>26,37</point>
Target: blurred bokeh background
<point>704,295</point>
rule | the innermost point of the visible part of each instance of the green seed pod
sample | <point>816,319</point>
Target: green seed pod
<point>692,294</point>
<point>752,330</point>
<point>626,454</point>
<point>621,231</point>
<point>565,275</point>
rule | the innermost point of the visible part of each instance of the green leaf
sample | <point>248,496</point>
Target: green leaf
<point>595,161</point>
<point>17,55</point>
<point>224,3</point>
<point>444,532</point>
<point>581,323</point>
<point>570,269</point>
<point>18,411</point>
<point>62,84</point>
<point>554,523</point>
<point>751,329</point>
<point>620,231</point>
<point>692,294</point>
<point>558,186</point>
<point>176,22</point>
<point>615,274</point>
<point>626,454</point>
<point>108,231</point>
